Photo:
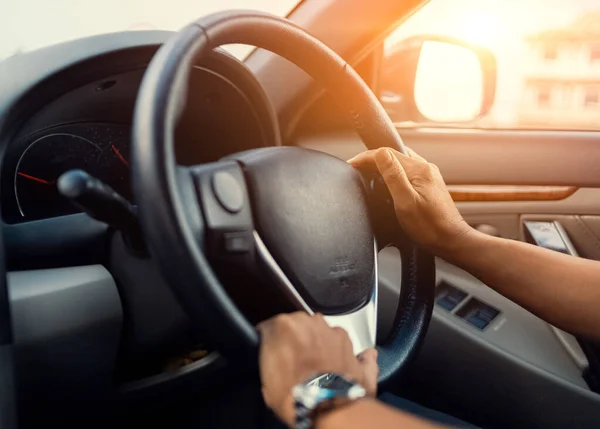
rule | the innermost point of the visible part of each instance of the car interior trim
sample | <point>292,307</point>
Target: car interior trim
<point>473,367</point>
<point>210,363</point>
<point>72,317</point>
<point>38,244</point>
<point>462,193</point>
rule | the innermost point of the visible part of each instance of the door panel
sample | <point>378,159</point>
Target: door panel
<point>505,225</point>
<point>473,157</point>
<point>519,371</point>
<point>582,230</point>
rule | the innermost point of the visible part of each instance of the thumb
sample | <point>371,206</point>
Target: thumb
<point>393,175</point>
<point>368,363</point>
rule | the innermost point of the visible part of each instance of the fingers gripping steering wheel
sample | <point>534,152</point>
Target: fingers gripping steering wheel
<point>302,219</point>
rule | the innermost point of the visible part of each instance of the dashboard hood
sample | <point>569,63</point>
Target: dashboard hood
<point>22,72</point>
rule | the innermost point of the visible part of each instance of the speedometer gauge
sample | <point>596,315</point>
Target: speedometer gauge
<point>34,163</point>
<point>40,166</point>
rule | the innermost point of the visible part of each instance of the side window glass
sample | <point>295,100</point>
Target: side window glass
<point>495,64</point>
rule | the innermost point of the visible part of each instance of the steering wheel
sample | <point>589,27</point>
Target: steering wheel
<point>300,220</point>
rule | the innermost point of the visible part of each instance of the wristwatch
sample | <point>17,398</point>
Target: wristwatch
<point>323,393</point>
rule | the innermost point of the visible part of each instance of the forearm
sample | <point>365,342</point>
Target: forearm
<point>561,289</point>
<point>369,413</point>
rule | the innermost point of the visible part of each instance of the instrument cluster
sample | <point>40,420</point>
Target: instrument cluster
<point>38,160</point>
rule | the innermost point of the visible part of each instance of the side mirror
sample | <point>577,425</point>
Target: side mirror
<point>437,79</point>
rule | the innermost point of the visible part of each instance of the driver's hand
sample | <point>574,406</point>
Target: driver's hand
<point>423,205</point>
<point>297,346</point>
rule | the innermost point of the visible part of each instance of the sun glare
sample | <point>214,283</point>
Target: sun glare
<point>448,84</point>
<point>481,27</point>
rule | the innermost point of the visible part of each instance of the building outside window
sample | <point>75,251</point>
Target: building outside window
<point>566,94</point>
<point>550,53</point>
<point>594,53</point>
<point>544,97</point>
<point>592,97</point>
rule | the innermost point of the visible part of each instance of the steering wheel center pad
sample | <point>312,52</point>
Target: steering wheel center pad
<point>310,210</point>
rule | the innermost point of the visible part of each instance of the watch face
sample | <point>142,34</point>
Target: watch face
<point>332,382</point>
<point>327,387</point>
<point>320,393</point>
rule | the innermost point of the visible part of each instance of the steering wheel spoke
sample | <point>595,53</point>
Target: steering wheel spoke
<point>360,324</point>
<point>278,277</point>
<point>224,201</point>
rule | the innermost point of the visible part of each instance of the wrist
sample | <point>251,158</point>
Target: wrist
<point>451,238</point>
<point>338,416</point>
<point>346,415</point>
<point>463,247</point>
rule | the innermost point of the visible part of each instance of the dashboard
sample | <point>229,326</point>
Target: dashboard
<point>71,106</point>
<point>87,126</point>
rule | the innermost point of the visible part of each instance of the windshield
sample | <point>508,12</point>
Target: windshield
<point>31,24</point>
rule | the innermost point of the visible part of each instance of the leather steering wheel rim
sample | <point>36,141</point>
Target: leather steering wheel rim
<point>174,232</point>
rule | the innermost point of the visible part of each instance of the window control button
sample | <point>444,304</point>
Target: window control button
<point>487,313</point>
<point>455,296</point>
<point>451,298</point>
<point>478,322</point>
<point>446,304</point>
<point>477,313</point>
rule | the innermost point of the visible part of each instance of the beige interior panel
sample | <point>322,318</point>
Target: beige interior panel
<point>584,231</point>
<point>586,201</point>
<point>479,157</point>
<point>504,225</point>
<point>593,223</point>
<point>507,218</point>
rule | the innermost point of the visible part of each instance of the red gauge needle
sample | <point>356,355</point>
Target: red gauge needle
<point>116,151</point>
<point>35,179</point>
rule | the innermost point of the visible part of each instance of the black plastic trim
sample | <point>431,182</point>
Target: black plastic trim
<point>67,323</point>
<point>57,242</point>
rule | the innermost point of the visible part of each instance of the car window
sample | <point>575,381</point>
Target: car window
<point>547,55</point>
